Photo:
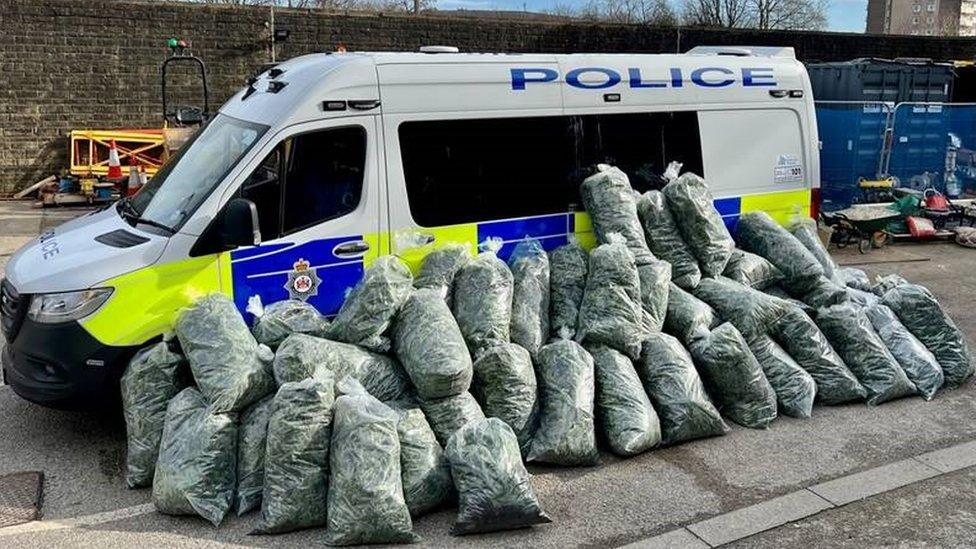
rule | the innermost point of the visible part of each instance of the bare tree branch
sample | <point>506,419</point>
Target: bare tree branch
<point>761,14</point>
<point>648,12</point>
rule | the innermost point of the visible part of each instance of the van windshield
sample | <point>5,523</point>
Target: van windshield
<point>180,186</point>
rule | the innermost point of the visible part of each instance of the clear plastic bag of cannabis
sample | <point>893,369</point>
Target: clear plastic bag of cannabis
<point>624,411</point>
<point>505,386</point>
<point>151,380</point>
<point>795,389</point>
<point>700,224</point>
<point>862,298</point>
<point>252,440</point>
<point>655,283</point>
<point>494,489</point>
<point>424,470</point>
<point>852,335</point>
<point>611,312</point>
<point>806,344</point>
<point>688,317</point>
<point>665,241</point>
<point>447,415</point>
<point>225,359</point>
<point>275,322</point>
<point>676,391</point>
<point>370,307</point>
<point>568,270</point>
<point>854,278</point>
<point>887,282</point>
<point>779,292</point>
<point>824,292</point>
<point>751,311</point>
<point>303,356</point>
<point>197,468</point>
<point>734,378</point>
<point>805,230</point>
<point>296,463</point>
<point>760,234</point>
<point>366,504</point>
<point>612,205</point>
<point>919,363</point>
<point>752,270</point>
<point>921,313</point>
<point>441,266</point>
<point>566,434</point>
<point>429,344</point>
<point>530,298</point>
<point>483,299</point>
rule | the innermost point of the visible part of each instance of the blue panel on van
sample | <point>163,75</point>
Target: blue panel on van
<point>518,229</point>
<point>551,230</point>
<point>264,271</point>
<point>548,243</point>
<point>729,209</point>
<point>258,250</point>
<point>728,206</point>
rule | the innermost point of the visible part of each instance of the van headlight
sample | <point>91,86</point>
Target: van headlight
<point>66,306</point>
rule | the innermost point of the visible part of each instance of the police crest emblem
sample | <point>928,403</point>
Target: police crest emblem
<point>303,282</point>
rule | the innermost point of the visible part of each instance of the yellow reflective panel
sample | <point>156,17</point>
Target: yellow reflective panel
<point>584,230</point>
<point>145,303</point>
<point>780,206</point>
<point>374,249</point>
<point>466,233</point>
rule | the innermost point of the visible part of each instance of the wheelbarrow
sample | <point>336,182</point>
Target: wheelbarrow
<point>865,227</point>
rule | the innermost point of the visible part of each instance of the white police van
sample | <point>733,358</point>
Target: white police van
<point>311,171</point>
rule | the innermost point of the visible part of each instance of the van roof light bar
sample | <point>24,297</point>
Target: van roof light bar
<point>439,49</point>
<point>745,51</point>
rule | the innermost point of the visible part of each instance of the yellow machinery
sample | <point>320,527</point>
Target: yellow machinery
<point>89,150</point>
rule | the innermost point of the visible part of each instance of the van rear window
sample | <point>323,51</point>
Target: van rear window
<point>464,171</point>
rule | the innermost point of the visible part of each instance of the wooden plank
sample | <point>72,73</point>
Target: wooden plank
<point>36,186</point>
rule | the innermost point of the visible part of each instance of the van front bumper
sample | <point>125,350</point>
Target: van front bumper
<point>63,366</point>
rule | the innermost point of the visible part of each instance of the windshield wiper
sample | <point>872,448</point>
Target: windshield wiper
<point>129,212</point>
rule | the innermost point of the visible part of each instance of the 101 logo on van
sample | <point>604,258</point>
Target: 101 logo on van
<point>601,78</point>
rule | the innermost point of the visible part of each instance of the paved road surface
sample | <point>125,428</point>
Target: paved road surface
<point>939,512</point>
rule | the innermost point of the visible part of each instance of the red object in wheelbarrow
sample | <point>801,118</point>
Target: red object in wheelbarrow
<point>936,201</point>
<point>920,227</point>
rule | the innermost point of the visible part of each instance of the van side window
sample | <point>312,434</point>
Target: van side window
<point>263,188</point>
<point>324,178</point>
<point>464,171</point>
<point>308,179</point>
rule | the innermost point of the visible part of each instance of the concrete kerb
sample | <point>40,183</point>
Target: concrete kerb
<point>767,515</point>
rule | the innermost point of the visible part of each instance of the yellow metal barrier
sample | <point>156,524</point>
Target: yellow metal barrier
<point>89,150</point>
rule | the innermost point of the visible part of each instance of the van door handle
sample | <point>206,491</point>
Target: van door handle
<point>355,248</point>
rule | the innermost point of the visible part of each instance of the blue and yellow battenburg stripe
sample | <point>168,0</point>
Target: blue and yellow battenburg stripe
<point>146,302</point>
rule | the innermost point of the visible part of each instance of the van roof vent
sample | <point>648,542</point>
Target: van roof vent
<point>439,49</point>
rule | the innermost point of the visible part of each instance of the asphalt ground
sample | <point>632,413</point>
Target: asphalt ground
<point>618,502</point>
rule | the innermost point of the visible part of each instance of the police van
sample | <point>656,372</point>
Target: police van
<point>318,166</point>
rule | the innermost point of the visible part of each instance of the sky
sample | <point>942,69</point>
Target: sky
<point>843,15</point>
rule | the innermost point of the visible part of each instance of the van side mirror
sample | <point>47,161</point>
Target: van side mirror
<point>238,224</point>
<point>234,226</point>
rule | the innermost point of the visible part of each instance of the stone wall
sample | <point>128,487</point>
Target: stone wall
<point>94,64</point>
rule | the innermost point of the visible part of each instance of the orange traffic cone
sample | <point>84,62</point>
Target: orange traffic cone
<point>133,184</point>
<point>114,166</point>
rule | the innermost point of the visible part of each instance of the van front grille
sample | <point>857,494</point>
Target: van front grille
<point>13,310</point>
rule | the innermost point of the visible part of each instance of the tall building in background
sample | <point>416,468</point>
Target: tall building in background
<point>922,17</point>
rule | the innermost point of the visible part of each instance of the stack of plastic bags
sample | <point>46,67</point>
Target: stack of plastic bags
<point>429,391</point>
